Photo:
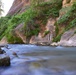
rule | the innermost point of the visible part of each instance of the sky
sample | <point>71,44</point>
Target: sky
<point>6,5</point>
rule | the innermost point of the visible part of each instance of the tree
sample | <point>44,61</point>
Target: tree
<point>1,8</point>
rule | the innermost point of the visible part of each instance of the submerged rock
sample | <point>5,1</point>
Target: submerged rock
<point>15,54</point>
<point>4,60</point>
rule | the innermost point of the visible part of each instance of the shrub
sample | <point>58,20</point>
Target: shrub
<point>46,32</point>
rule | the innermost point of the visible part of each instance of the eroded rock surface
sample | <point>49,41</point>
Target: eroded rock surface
<point>45,39</point>
<point>68,38</point>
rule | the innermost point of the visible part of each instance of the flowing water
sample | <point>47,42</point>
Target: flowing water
<point>40,60</point>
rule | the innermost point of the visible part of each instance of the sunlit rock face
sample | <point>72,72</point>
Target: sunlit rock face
<point>68,38</point>
<point>18,6</point>
<point>3,41</point>
<point>68,2</point>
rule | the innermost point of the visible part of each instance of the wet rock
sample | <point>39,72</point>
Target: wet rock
<point>15,54</point>
<point>2,51</point>
<point>4,60</point>
<point>54,44</point>
<point>42,43</point>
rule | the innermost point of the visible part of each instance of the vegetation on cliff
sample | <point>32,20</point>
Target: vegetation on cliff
<point>36,15</point>
<point>66,21</point>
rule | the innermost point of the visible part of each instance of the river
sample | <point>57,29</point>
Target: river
<point>40,60</point>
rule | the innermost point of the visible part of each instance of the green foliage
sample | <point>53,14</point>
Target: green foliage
<point>69,16</point>
<point>57,38</point>
<point>3,25</point>
<point>71,25</point>
<point>40,12</point>
<point>30,26</point>
<point>50,8</point>
<point>64,18</point>
<point>13,39</point>
<point>68,19</point>
<point>75,32</point>
<point>46,32</point>
<point>32,32</point>
<point>13,22</point>
<point>28,15</point>
<point>56,29</point>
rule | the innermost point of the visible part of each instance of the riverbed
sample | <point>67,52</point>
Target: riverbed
<point>40,60</point>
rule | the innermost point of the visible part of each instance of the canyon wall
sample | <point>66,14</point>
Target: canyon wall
<point>68,38</point>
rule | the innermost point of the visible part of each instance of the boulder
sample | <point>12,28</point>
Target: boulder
<point>2,51</point>
<point>4,60</point>
<point>68,38</point>
<point>15,54</point>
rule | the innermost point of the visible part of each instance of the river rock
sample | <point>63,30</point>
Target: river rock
<point>2,51</point>
<point>15,54</point>
<point>54,44</point>
<point>4,60</point>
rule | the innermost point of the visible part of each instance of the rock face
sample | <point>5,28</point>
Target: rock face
<point>3,41</point>
<point>67,39</point>
<point>18,6</point>
<point>20,32</point>
<point>4,60</point>
<point>42,38</point>
<point>68,2</point>
<point>2,51</point>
